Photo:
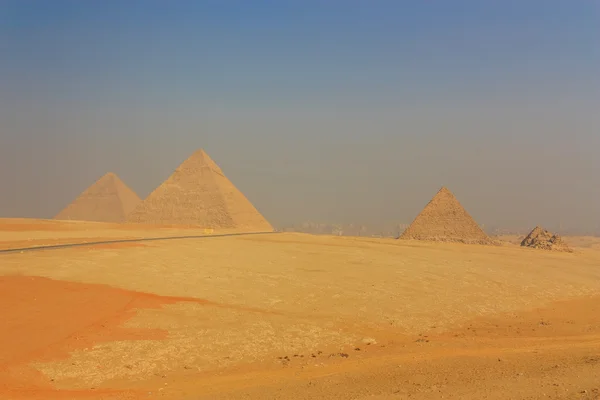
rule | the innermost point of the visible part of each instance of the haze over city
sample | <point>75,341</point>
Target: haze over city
<point>345,112</point>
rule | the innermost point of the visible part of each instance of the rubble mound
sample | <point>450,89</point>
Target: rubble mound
<point>540,238</point>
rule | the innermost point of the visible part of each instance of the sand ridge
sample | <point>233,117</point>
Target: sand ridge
<point>107,200</point>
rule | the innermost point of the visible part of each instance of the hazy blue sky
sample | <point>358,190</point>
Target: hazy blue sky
<point>338,111</point>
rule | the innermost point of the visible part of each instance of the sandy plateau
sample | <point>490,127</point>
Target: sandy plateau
<point>292,316</point>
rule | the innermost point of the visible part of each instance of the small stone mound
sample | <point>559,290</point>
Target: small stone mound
<point>540,238</point>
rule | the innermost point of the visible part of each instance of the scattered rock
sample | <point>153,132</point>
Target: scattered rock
<point>369,341</point>
<point>592,359</point>
<point>343,355</point>
<point>540,238</point>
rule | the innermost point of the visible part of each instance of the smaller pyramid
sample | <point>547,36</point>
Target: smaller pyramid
<point>540,238</point>
<point>198,193</point>
<point>107,200</point>
<point>445,220</point>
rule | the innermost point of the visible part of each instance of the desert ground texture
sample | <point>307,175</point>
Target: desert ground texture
<point>292,316</point>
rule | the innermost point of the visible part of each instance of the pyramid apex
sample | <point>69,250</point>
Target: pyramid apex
<point>200,158</point>
<point>110,178</point>
<point>537,230</point>
<point>442,193</point>
<point>200,152</point>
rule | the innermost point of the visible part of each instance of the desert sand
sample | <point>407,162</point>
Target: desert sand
<point>292,316</point>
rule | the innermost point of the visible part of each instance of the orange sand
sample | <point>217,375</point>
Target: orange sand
<point>44,319</point>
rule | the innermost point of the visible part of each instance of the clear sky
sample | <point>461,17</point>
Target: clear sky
<point>329,111</point>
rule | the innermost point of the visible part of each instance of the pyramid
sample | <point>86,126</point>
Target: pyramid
<point>107,200</point>
<point>444,219</point>
<point>540,238</point>
<point>198,193</point>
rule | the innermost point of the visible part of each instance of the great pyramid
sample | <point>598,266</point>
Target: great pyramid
<point>107,200</point>
<point>540,238</point>
<point>444,219</point>
<point>198,193</point>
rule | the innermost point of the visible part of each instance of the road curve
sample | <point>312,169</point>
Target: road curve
<point>68,245</point>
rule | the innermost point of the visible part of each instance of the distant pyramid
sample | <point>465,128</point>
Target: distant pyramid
<point>540,238</point>
<point>198,193</point>
<point>444,219</point>
<point>107,200</point>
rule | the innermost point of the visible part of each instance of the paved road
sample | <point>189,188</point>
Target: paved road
<point>66,246</point>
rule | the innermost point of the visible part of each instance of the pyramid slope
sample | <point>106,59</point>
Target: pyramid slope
<point>445,219</point>
<point>198,193</point>
<point>540,238</point>
<point>107,200</point>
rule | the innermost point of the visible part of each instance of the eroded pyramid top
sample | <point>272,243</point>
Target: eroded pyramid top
<point>107,200</point>
<point>199,159</point>
<point>445,219</point>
